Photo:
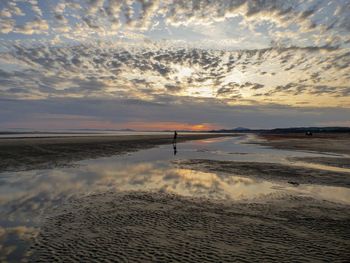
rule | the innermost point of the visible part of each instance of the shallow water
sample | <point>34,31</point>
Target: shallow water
<point>24,196</point>
<point>29,134</point>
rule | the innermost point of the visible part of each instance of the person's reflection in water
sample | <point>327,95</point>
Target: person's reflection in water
<point>174,143</point>
<point>175,150</point>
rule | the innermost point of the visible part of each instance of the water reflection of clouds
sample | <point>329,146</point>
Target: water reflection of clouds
<point>25,195</point>
<point>209,141</point>
<point>160,175</point>
<point>31,192</point>
<point>14,241</point>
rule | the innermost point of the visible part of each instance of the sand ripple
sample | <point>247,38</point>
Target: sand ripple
<point>159,227</point>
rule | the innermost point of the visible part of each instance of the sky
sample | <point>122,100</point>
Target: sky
<point>180,64</point>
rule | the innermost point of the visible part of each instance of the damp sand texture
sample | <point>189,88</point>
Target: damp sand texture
<point>160,227</point>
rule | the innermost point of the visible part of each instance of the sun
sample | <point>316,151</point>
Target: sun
<point>182,71</point>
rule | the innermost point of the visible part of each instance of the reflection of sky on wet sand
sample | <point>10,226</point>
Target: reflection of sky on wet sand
<point>24,196</point>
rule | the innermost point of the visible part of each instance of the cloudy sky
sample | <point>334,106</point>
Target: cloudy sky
<point>181,64</point>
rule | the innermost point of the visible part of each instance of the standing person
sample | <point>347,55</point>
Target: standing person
<point>175,137</point>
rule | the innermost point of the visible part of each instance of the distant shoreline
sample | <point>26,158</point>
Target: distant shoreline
<point>19,154</point>
<point>8,134</point>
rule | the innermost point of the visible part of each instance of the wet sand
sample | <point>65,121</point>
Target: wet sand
<point>160,227</point>
<point>330,143</point>
<point>271,172</point>
<point>330,161</point>
<point>164,227</point>
<point>21,154</point>
<point>337,143</point>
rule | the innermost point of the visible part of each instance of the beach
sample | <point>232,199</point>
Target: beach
<point>159,227</point>
<point>221,198</point>
<point>336,143</point>
<point>27,153</point>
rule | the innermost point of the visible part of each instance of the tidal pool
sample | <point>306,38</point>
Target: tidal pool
<point>25,196</point>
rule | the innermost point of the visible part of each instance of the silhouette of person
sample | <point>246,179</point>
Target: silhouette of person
<point>175,137</point>
<point>175,150</point>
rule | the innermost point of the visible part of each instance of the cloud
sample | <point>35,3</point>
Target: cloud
<point>233,89</point>
<point>253,86</point>
<point>6,25</point>
<point>10,10</point>
<point>230,23</point>
<point>37,26</point>
<point>173,88</point>
<point>35,7</point>
<point>216,54</point>
<point>112,70</point>
<point>319,90</point>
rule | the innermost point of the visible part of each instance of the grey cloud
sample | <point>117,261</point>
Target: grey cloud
<point>186,110</point>
<point>334,91</point>
<point>322,89</point>
<point>173,88</point>
<point>59,17</point>
<point>297,89</point>
<point>253,86</point>
<point>290,88</point>
<point>227,91</point>
<point>17,90</point>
